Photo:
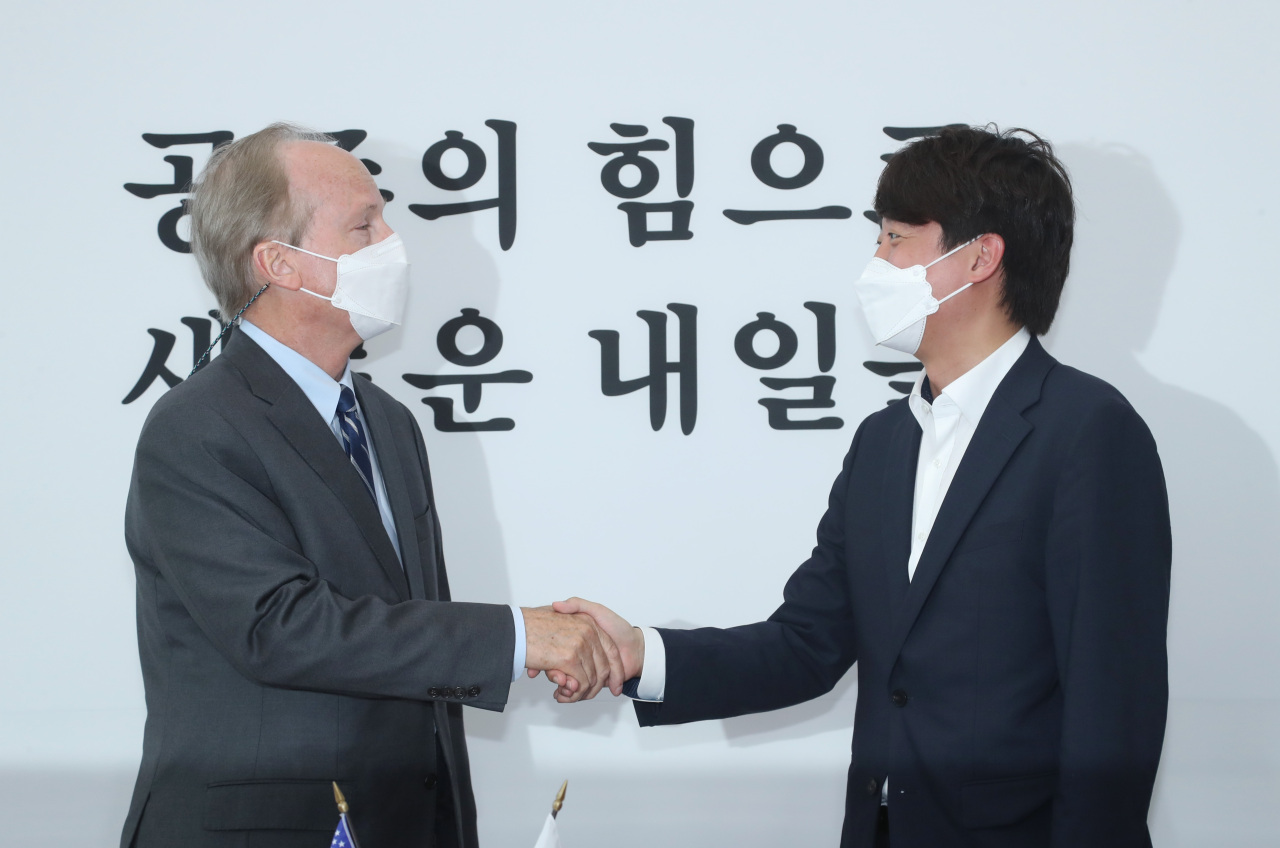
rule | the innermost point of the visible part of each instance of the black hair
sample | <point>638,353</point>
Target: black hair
<point>972,181</point>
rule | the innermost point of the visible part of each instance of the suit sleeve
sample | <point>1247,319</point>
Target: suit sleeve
<point>798,654</point>
<point>1108,562</point>
<point>204,512</point>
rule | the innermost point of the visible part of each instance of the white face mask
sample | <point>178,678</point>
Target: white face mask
<point>373,285</point>
<point>895,301</point>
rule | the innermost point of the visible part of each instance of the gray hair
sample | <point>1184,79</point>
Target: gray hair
<point>242,198</point>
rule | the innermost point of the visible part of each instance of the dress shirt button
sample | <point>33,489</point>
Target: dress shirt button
<point>460,692</point>
<point>430,782</point>
<point>474,691</point>
<point>937,463</point>
<point>872,786</point>
<point>921,536</point>
<point>900,697</point>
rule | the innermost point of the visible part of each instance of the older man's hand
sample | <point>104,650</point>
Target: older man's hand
<point>629,639</point>
<point>576,654</point>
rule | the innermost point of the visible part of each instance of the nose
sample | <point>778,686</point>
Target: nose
<point>882,250</point>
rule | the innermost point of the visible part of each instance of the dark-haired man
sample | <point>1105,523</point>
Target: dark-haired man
<point>995,554</point>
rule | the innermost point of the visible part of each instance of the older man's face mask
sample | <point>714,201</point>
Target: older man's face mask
<point>373,285</point>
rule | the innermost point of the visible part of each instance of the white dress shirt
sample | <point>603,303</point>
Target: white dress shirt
<point>323,392</point>
<point>947,424</point>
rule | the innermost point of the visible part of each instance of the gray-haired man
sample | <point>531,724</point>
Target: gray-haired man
<point>294,620</point>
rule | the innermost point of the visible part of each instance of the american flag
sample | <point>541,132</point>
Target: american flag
<point>343,836</point>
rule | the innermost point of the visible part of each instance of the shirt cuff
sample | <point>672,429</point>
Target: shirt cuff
<point>653,680</point>
<point>518,658</point>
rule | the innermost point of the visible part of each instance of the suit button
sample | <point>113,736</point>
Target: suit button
<point>430,782</point>
<point>433,692</point>
<point>474,691</point>
<point>460,692</point>
<point>872,786</point>
<point>900,697</point>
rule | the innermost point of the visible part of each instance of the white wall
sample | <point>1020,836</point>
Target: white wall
<point>1163,112</point>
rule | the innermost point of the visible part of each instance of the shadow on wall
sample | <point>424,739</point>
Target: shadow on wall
<point>452,269</point>
<point>1224,640</point>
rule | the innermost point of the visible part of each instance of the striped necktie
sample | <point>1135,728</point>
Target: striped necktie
<point>353,440</point>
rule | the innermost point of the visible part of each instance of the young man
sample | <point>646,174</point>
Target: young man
<point>995,553</point>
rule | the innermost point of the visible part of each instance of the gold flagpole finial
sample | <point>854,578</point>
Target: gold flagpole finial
<point>559,801</point>
<point>338,797</point>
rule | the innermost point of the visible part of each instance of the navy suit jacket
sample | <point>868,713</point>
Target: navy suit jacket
<point>1014,692</point>
<point>282,644</point>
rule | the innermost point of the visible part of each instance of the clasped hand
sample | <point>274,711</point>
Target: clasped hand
<point>582,647</point>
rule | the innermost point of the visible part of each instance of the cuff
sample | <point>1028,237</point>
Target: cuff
<point>652,685</point>
<point>518,658</point>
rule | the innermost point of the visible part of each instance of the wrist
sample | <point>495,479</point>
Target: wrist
<point>639,650</point>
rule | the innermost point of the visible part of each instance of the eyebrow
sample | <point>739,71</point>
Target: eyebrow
<point>360,211</point>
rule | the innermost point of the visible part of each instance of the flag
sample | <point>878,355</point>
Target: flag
<point>550,836</point>
<point>344,838</point>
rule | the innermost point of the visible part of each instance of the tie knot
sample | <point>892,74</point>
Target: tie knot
<point>346,401</point>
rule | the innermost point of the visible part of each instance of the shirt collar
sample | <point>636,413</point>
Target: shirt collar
<point>321,389</point>
<point>973,390</point>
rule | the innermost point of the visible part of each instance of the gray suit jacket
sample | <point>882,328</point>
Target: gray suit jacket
<point>282,644</point>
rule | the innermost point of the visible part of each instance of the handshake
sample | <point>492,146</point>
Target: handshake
<point>582,647</point>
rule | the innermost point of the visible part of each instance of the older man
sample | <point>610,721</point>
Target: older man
<point>294,620</point>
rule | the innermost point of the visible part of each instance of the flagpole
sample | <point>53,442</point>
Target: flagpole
<point>344,824</point>
<point>340,799</point>
<point>559,801</point>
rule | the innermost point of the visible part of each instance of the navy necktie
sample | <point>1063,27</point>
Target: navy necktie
<point>353,440</point>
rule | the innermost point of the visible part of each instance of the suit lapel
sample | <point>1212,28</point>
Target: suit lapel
<point>296,419</point>
<point>899,502</point>
<point>998,435</point>
<point>392,464</point>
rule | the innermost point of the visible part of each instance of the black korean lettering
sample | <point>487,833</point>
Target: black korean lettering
<point>893,369</point>
<point>183,172</point>
<point>825,316</point>
<point>447,339</point>
<point>762,167</point>
<point>685,366</point>
<point>472,384</point>
<point>477,162</point>
<point>167,227</point>
<point>821,387</point>
<point>640,229</point>
<point>766,322</point>
<point>779,408</point>
<point>629,155</point>
<point>162,344</point>
<point>642,216</point>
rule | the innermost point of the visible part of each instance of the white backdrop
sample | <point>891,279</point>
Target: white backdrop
<point>1164,112</point>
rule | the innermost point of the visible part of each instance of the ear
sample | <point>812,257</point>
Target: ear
<point>990,258</point>
<point>275,265</point>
